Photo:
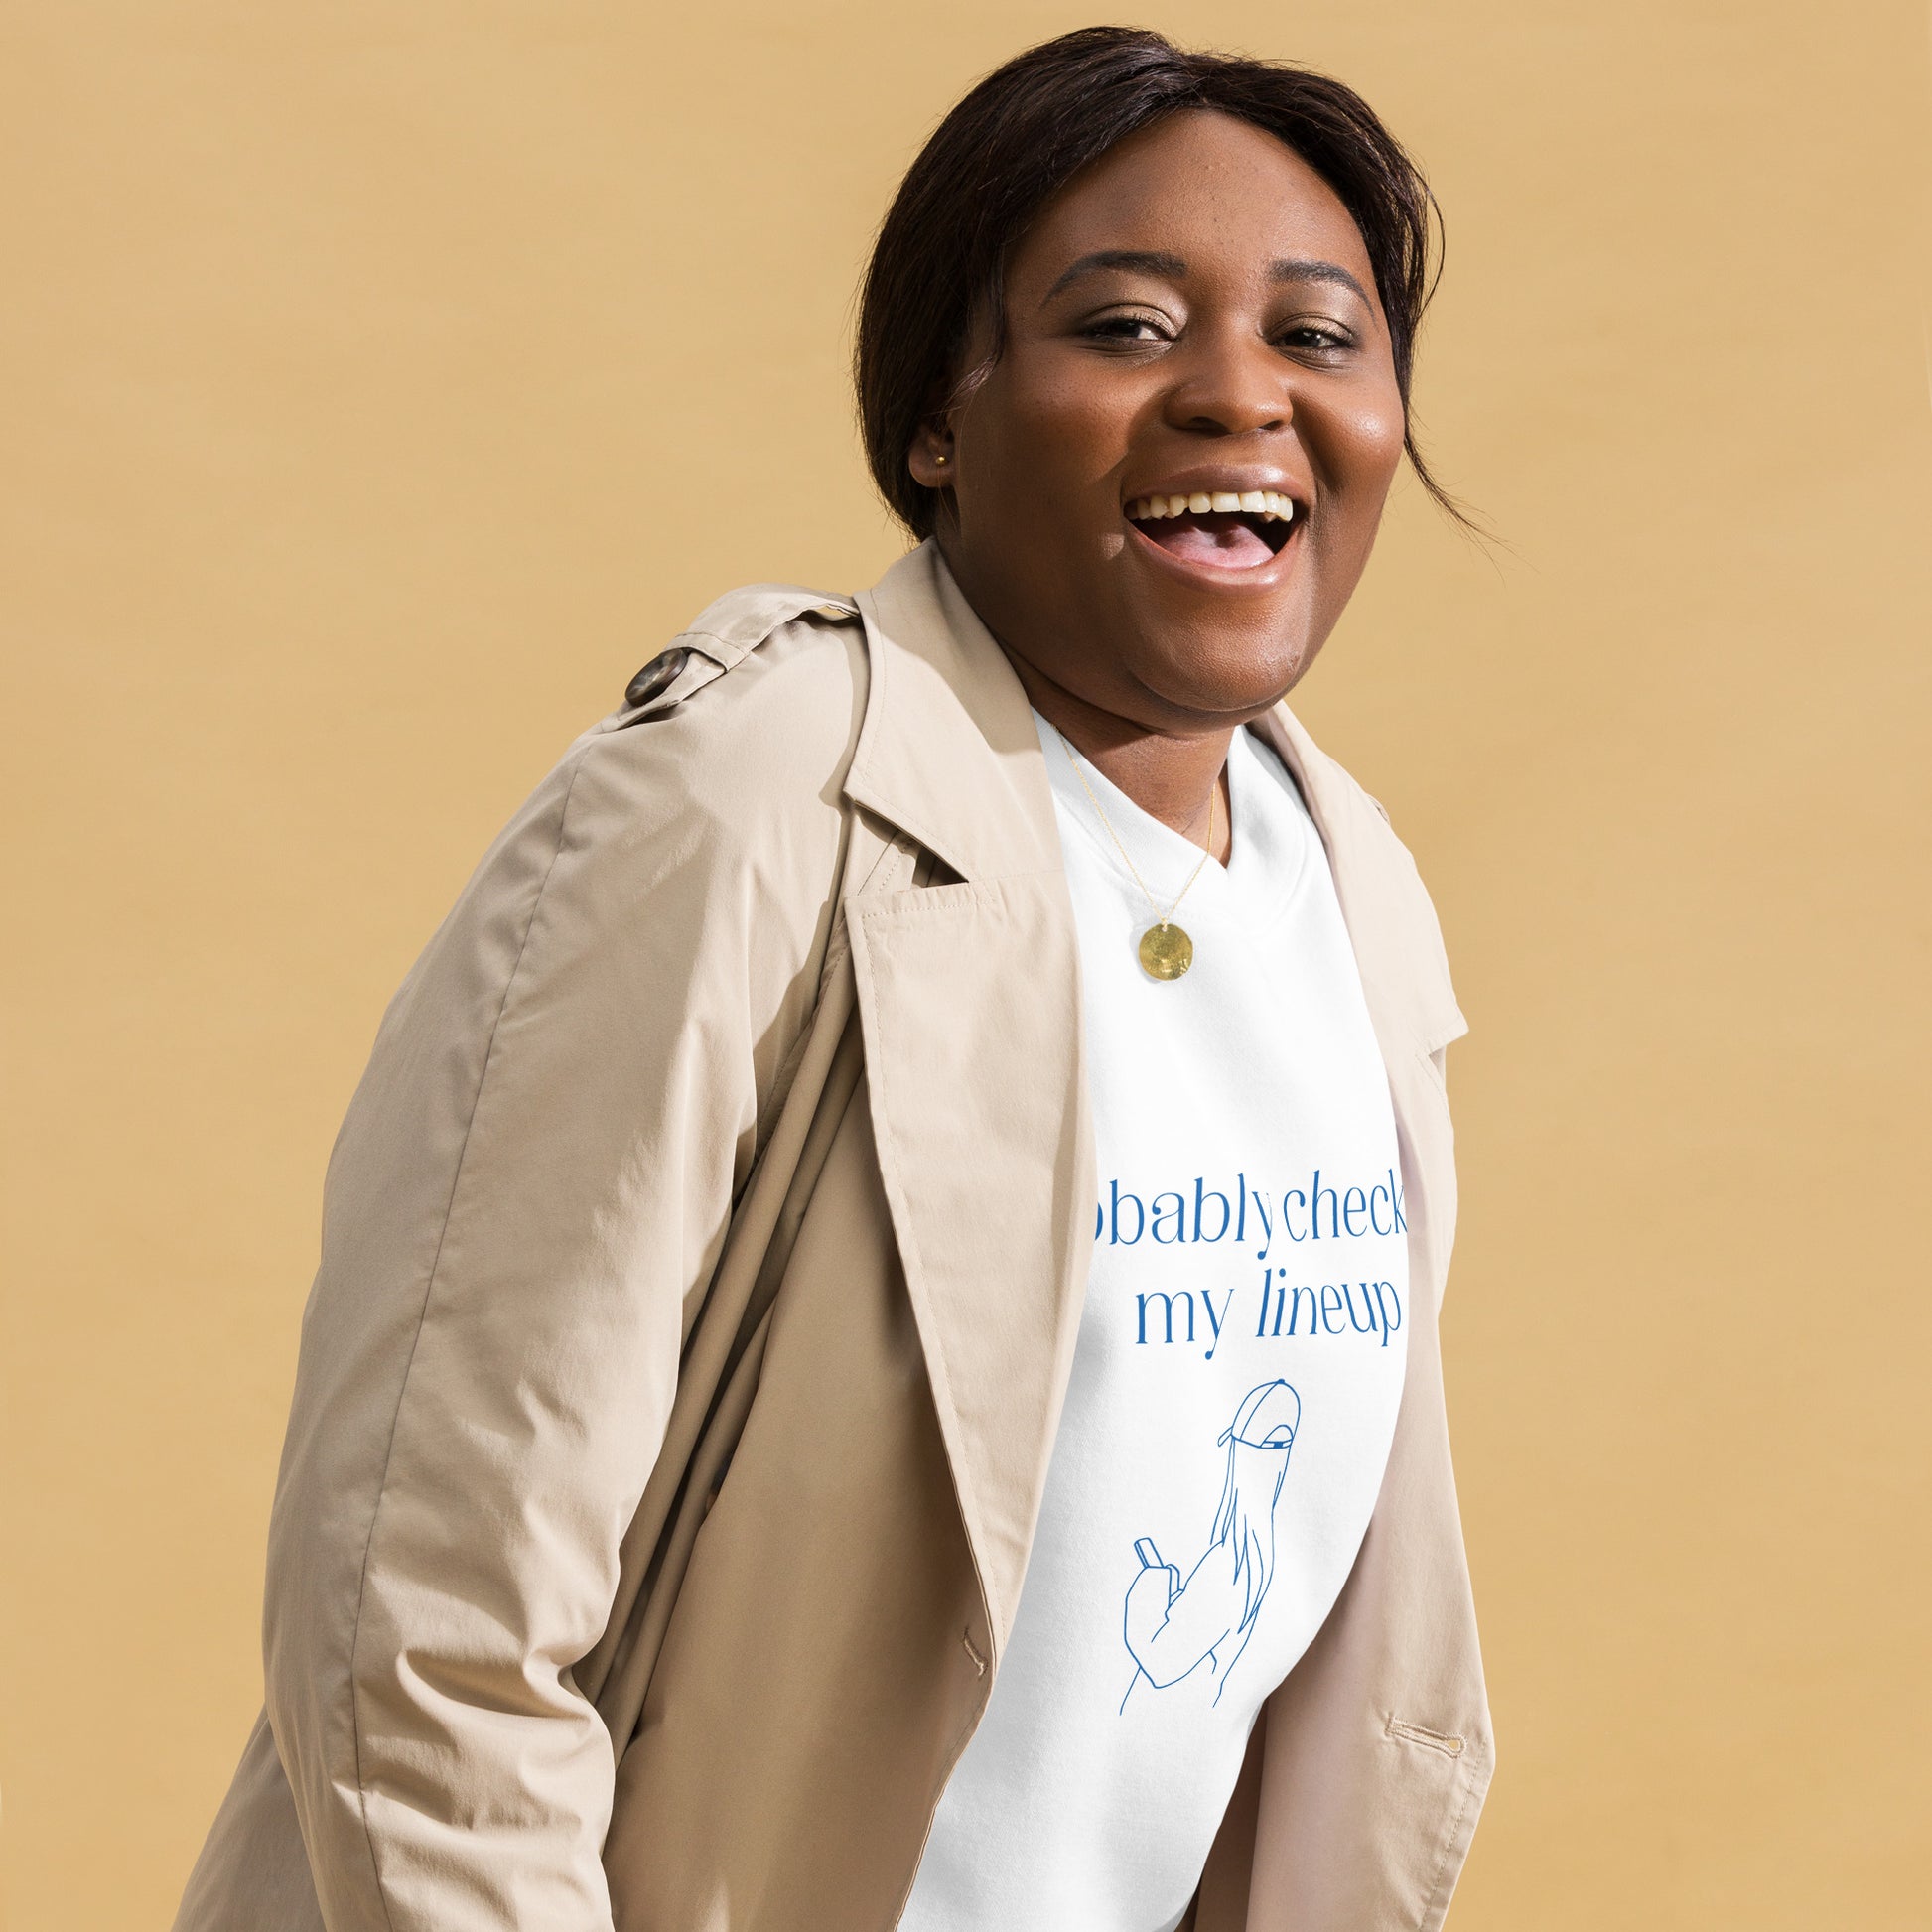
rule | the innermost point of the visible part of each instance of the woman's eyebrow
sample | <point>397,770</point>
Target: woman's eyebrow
<point>1149,261</point>
<point>1153,262</point>
<point>1316,271</point>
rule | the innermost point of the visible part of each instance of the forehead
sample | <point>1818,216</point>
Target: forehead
<point>1221,193</point>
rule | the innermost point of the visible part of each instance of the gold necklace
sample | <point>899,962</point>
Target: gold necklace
<point>1166,949</point>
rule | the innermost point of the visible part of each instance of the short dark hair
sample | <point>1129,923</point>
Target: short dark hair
<point>1026,130</point>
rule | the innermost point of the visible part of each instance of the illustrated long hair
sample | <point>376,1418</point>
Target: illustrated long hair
<point>1244,1524</point>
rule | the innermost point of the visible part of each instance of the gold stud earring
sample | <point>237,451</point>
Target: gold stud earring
<point>940,459</point>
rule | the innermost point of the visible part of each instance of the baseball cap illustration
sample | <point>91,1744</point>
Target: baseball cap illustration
<point>1267,1419</point>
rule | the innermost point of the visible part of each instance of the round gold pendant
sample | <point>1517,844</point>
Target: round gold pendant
<point>1166,951</point>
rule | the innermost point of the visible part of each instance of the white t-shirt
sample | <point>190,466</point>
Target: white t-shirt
<point>1234,1385</point>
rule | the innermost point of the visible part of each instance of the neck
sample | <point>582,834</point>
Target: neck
<point>1170,778</point>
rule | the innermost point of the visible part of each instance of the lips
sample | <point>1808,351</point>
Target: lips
<point>1226,529</point>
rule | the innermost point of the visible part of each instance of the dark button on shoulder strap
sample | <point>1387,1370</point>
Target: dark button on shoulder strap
<point>656,676</point>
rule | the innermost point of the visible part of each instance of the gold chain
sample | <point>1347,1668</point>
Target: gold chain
<point>1159,917</point>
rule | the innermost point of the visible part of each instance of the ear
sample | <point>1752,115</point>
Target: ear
<point>932,458</point>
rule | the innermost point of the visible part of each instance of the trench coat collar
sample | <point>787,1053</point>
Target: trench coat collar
<point>969,1001</point>
<point>947,751</point>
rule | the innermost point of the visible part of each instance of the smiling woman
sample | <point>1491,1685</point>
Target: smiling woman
<point>737,1432</point>
<point>1086,401</point>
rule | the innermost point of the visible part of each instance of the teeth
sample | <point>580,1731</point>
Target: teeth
<point>1267,503</point>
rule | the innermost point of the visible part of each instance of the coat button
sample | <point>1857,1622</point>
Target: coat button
<point>657,676</point>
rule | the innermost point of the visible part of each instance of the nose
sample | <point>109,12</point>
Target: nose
<point>1231,383</point>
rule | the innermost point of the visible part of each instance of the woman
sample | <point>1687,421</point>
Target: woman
<point>903,1082</point>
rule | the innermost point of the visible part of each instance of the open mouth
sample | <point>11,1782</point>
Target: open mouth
<point>1223,530</point>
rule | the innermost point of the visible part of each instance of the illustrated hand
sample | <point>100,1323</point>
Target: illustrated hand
<point>1148,1598</point>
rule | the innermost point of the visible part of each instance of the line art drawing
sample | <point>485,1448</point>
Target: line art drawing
<point>1174,1628</point>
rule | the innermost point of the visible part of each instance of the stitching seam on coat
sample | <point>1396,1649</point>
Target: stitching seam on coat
<point>1436,1906</point>
<point>422,1316</point>
<point>1435,1740</point>
<point>916,905</point>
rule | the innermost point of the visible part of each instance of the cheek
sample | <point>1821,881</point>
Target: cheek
<point>1050,428</point>
<point>1365,442</point>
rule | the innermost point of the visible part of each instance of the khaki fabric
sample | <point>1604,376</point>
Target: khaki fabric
<point>702,1258</point>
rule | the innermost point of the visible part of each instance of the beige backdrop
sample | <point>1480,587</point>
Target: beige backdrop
<point>380,385</point>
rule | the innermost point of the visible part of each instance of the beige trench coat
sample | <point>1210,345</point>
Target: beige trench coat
<point>702,1256</point>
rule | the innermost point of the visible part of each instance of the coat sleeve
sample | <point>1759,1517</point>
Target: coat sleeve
<point>527,1199</point>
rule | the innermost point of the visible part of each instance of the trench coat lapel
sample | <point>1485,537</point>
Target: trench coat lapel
<point>1405,979</point>
<point>1398,949</point>
<point>969,1003</point>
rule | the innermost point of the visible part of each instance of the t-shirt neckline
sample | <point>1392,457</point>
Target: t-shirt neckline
<point>1269,835</point>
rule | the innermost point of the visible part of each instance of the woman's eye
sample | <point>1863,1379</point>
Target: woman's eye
<point>1126,328</point>
<point>1316,336</point>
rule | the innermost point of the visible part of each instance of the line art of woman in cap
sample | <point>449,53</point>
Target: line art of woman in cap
<point>1171,1628</point>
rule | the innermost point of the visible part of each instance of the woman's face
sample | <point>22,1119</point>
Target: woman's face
<point>1193,317</point>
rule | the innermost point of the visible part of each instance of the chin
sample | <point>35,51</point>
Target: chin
<point>1216,668</point>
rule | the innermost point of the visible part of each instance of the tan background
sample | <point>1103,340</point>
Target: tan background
<point>380,385</point>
